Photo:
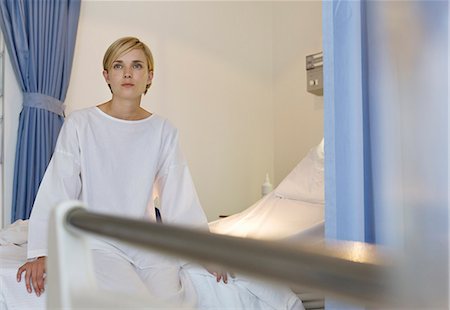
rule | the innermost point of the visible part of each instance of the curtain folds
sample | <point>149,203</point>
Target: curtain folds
<point>386,134</point>
<point>348,204</point>
<point>385,118</point>
<point>40,38</point>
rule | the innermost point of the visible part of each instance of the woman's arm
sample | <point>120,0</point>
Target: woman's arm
<point>179,203</point>
<point>61,181</point>
<point>178,197</point>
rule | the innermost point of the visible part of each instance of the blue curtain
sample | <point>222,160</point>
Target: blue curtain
<point>386,132</point>
<point>40,38</point>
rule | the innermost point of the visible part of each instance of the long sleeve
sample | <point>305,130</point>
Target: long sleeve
<point>178,198</point>
<point>62,181</point>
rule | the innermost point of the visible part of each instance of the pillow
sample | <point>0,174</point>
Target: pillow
<point>306,181</point>
<point>15,233</point>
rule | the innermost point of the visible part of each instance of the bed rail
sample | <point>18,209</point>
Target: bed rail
<point>352,271</point>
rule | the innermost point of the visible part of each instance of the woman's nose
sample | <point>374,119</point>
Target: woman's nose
<point>127,73</point>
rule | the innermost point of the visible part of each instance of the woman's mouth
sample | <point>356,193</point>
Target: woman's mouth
<point>127,85</point>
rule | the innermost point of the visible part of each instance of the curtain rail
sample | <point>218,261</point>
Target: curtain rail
<point>356,275</point>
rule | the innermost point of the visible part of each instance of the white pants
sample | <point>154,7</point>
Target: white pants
<point>115,273</point>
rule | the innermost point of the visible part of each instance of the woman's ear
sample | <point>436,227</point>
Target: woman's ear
<point>106,76</point>
<point>150,77</point>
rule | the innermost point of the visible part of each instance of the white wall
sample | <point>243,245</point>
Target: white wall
<point>298,114</point>
<point>227,74</point>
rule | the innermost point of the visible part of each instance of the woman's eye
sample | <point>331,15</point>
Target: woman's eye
<point>117,66</point>
<point>137,66</point>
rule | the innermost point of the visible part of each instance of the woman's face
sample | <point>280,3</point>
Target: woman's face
<point>129,75</point>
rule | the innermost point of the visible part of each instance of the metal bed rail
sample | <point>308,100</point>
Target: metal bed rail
<point>352,271</point>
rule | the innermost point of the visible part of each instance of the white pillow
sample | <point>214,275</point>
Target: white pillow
<point>15,233</point>
<point>306,181</point>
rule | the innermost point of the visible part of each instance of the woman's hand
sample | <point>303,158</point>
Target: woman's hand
<point>34,275</point>
<point>218,273</point>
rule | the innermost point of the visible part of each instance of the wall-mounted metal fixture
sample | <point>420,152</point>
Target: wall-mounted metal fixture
<point>314,73</point>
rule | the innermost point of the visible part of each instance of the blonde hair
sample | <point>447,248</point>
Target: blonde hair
<point>123,46</point>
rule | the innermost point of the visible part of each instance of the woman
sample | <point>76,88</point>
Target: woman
<point>113,156</point>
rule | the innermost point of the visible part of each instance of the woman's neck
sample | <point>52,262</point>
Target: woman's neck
<point>124,109</point>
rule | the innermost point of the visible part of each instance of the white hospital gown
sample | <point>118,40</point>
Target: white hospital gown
<point>112,165</point>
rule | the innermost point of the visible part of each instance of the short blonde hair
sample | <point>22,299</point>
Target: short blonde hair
<point>123,46</point>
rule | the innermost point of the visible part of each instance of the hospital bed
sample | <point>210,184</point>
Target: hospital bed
<point>294,212</point>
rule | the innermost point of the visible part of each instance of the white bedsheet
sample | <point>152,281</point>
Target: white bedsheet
<point>239,293</point>
<point>13,294</point>
<point>275,218</point>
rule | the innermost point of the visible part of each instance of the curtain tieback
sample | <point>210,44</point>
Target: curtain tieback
<point>41,101</point>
